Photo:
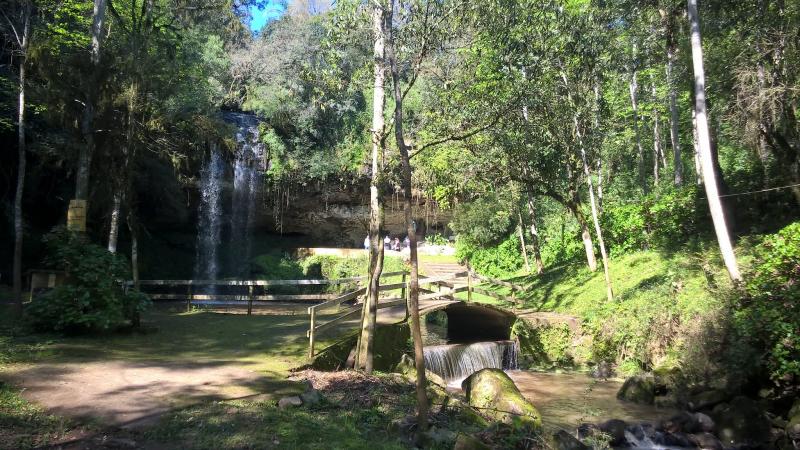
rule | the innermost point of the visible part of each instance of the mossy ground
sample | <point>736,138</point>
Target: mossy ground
<point>664,304</point>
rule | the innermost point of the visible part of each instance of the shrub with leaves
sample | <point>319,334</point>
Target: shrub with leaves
<point>768,317</point>
<point>92,298</point>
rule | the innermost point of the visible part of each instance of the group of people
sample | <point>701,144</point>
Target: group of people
<point>391,244</point>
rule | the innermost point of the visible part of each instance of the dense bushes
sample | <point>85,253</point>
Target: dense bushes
<point>92,299</point>
<point>502,261</point>
<point>768,316</point>
<point>332,267</point>
<point>665,219</point>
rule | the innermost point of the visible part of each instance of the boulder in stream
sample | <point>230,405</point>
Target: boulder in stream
<point>638,389</point>
<point>496,396</point>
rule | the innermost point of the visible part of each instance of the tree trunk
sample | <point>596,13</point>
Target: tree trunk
<point>704,140</point>
<point>113,231</point>
<point>698,166</point>
<point>413,292</point>
<point>364,359</point>
<point>633,87</point>
<point>586,235</point>
<point>133,228</point>
<point>658,148</point>
<point>592,203</point>
<point>18,228</point>
<point>674,128</point>
<point>521,233</point>
<point>537,255</point>
<point>87,121</point>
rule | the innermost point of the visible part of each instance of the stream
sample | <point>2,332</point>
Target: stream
<point>565,400</point>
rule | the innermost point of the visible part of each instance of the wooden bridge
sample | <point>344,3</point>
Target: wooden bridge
<point>341,311</point>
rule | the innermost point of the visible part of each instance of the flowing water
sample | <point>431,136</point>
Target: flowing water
<point>209,226</point>
<point>455,362</point>
<point>230,192</point>
<point>566,400</point>
<point>247,170</point>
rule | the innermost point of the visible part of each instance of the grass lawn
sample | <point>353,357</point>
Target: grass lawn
<point>267,344</point>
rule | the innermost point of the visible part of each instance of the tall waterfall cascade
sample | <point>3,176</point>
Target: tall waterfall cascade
<point>230,193</point>
<point>209,223</point>
<point>455,362</point>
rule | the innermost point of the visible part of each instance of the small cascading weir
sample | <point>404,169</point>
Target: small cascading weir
<point>247,170</point>
<point>454,362</point>
<point>209,226</point>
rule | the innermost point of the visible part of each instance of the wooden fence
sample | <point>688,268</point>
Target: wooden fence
<point>449,282</point>
<point>440,287</point>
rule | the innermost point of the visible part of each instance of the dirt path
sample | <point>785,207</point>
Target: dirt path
<point>129,392</point>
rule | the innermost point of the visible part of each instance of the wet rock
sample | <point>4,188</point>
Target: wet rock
<point>793,425</point>
<point>638,389</point>
<point>706,441</point>
<point>666,379</point>
<point>467,442</point>
<point>496,395</point>
<point>311,397</point>
<point>615,428</point>
<point>741,422</point>
<point>703,422</point>
<point>681,422</point>
<point>603,370</point>
<point>706,399</point>
<point>669,400</point>
<point>586,430</point>
<point>675,440</point>
<point>290,402</point>
<point>641,435</point>
<point>565,441</point>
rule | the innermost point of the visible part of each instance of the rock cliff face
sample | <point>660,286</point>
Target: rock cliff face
<point>339,215</point>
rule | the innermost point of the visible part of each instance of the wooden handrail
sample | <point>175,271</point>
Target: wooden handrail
<point>256,282</point>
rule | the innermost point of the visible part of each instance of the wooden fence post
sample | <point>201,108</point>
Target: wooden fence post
<point>250,300</point>
<point>469,287</point>
<point>403,289</point>
<point>189,298</point>
<point>311,332</point>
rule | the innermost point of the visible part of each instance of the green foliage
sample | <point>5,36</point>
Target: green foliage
<point>483,222</point>
<point>277,266</point>
<point>92,299</point>
<point>545,346</point>
<point>436,239</point>
<point>768,317</point>
<point>666,219</point>
<point>502,261</point>
<point>333,267</point>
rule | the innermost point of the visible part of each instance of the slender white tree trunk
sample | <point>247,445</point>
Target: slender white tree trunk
<point>698,166</point>
<point>633,87</point>
<point>413,291</point>
<point>704,140</point>
<point>595,216</point>
<point>364,358</point>
<point>22,156</point>
<point>674,130</point>
<point>537,254</point>
<point>521,233</point>
<point>113,231</point>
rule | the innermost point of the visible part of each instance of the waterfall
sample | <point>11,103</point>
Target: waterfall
<point>454,362</point>
<point>229,198</point>
<point>247,169</point>
<point>209,226</point>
